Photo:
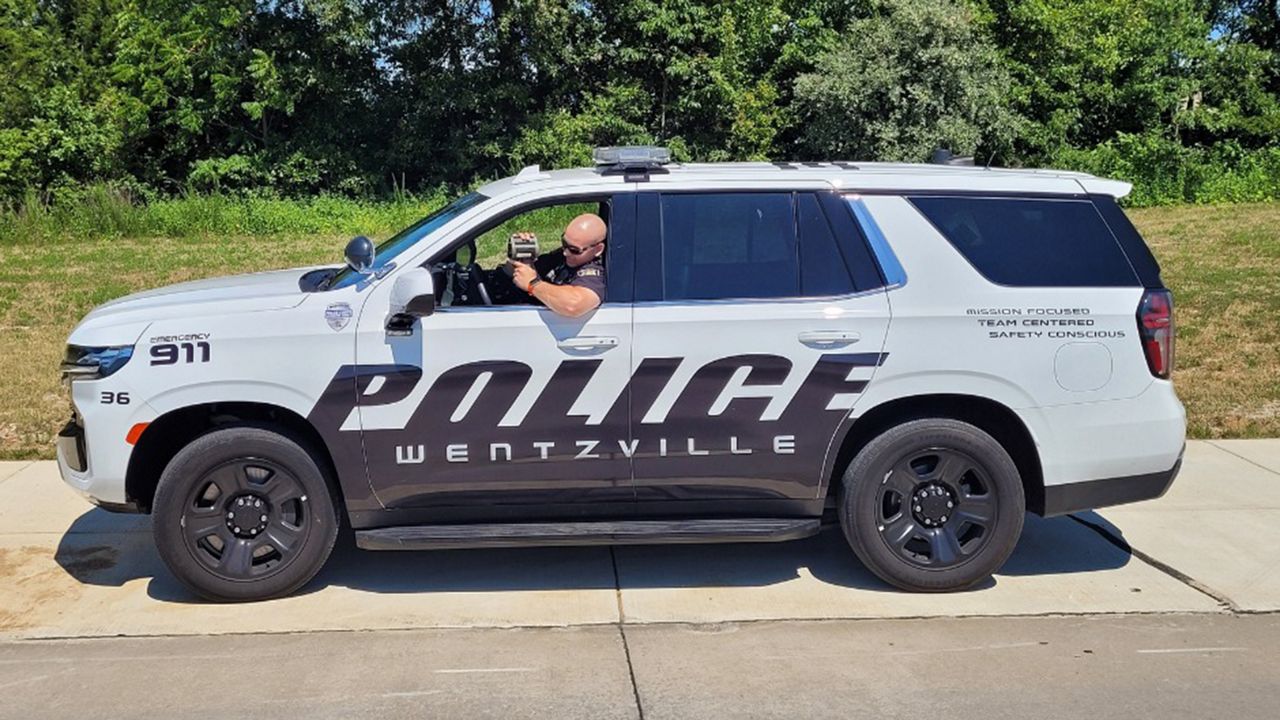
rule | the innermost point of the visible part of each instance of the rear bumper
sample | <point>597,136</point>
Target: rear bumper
<point>1119,449</point>
<point>1075,497</point>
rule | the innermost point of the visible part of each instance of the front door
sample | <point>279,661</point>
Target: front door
<point>507,410</point>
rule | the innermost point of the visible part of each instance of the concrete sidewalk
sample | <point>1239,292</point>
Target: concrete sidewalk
<point>1217,525</point>
<point>68,570</point>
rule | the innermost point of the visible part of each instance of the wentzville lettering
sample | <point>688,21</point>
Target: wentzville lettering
<point>587,450</point>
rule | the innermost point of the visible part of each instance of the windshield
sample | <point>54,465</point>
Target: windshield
<point>401,241</point>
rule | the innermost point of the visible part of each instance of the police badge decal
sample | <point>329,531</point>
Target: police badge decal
<point>338,315</point>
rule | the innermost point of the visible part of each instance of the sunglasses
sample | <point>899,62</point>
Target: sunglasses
<point>574,250</point>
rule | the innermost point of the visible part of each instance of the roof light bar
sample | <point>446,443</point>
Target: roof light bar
<point>632,156</point>
<point>943,156</point>
<point>635,163</point>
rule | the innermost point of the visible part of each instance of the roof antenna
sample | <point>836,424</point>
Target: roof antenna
<point>990,157</point>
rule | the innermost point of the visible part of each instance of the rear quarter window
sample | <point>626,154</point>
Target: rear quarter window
<point>1031,242</point>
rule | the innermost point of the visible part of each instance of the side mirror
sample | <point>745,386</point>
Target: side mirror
<point>359,254</point>
<point>412,296</point>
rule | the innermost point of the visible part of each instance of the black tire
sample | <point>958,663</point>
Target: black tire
<point>244,513</point>
<point>932,505</point>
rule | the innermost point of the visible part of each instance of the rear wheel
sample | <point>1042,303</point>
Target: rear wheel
<point>932,505</point>
<point>244,513</point>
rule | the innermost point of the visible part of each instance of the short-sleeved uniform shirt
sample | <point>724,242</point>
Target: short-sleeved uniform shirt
<point>552,268</point>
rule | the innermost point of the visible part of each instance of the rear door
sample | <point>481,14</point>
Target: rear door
<point>759,319</point>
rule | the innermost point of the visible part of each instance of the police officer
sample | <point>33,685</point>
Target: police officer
<point>569,280</point>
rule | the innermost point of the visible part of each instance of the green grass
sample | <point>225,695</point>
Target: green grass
<point>1223,263</point>
<point>103,212</point>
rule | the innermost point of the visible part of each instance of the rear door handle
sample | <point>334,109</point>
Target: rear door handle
<point>588,343</point>
<point>829,337</point>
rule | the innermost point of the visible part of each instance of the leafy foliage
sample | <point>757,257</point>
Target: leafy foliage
<point>1165,172</point>
<point>368,98</point>
<point>914,76</point>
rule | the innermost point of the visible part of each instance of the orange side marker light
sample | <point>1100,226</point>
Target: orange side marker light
<point>135,432</point>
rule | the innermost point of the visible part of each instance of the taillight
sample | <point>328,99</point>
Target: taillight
<point>1155,327</point>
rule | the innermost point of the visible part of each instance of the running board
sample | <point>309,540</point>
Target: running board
<point>626,532</point>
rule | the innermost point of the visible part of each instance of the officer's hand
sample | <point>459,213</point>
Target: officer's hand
<point>524,235</point>
<point>522,275</point>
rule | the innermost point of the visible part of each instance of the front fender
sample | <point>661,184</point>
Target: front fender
<point>227,391</point>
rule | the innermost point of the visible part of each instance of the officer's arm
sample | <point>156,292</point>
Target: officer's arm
<point>567,300</point>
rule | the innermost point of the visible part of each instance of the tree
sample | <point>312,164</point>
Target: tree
<point>913,76</point>
<point>60,120</point>
<point>1085,70</point>
<point>1231,100</point>
<point>303,96</point>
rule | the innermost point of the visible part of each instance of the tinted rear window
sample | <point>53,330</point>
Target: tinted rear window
<point>749,245</point>
<point>1031,242</point>
<point>740,245</point>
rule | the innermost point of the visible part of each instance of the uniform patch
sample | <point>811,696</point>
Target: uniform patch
<point>589,272</point>
<point>337,315</point>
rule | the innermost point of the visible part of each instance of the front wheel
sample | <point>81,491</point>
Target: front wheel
<point>244,513</point>
<point>932,505</point>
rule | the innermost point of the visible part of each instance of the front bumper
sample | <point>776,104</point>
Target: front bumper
<point>73,466</point>
<point>71,448</point>
<point>1076,497</point>
<point>93,457</point>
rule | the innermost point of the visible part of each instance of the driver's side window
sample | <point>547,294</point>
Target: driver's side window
<point>476,271</point>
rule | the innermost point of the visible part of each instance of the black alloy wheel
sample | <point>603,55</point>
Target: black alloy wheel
<point>245,513</point>
<point>932,505</point>
<point>936,508</point>
<point>246,519</point>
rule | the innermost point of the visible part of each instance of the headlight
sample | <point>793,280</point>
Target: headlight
<point>94,362</point>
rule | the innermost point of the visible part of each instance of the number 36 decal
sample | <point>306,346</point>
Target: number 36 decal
<point>115,398</point>
<point>187,352</point>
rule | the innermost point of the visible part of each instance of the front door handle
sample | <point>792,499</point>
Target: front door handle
<point>593,342</point>
<point>829,337</point>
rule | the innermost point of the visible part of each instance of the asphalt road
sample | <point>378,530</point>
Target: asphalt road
<point>1098,667</point>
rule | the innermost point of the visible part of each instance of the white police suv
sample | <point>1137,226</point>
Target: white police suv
<point>932,350</point>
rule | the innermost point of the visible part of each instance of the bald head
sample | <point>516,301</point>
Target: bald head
<point>586,232</point>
